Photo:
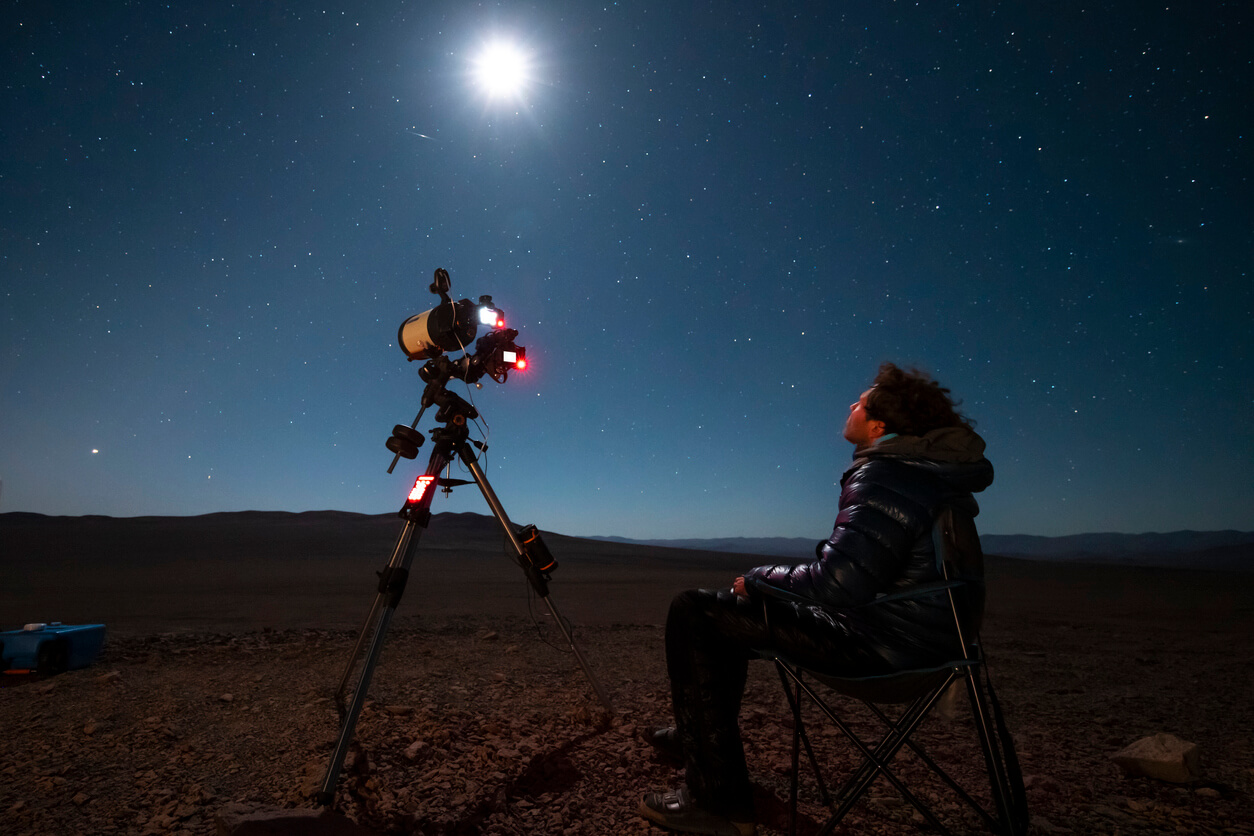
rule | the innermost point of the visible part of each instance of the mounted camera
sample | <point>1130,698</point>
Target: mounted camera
<point>497,355</point>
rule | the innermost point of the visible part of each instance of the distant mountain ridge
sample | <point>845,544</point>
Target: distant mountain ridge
<point>1226,550</point>
<point>325,531</point>
<point>1114,545</point>
<point>794,547</point>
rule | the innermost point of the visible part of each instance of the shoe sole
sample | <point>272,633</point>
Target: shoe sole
<point>659,818</point>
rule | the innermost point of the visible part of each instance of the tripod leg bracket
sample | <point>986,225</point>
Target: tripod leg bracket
<point>417,514</point>
<point>392,582</point>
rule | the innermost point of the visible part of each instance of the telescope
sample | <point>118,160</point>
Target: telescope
<point>450,326</point>
<point>430,336</point>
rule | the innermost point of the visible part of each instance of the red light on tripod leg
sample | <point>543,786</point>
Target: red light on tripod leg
<point>420,489</point>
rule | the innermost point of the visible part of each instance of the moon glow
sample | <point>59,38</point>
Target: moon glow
<point>501,70</point>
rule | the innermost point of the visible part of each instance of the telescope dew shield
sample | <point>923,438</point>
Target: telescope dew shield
<point>430,333</point>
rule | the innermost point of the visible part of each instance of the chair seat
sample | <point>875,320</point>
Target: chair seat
<point>891,689</point>
<point>888,689</point>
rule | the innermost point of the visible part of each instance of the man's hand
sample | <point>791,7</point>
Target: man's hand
<point>738,587</point>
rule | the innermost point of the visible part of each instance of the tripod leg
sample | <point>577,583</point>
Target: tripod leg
<point>541,588</point>
<point>391,586</point>
<point>403,544</point>
<point>326,795</point>
<point>587,671</point>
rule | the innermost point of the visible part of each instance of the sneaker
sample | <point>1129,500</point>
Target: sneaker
<point>677,811</point>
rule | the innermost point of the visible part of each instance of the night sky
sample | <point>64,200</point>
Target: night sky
<point>709,221</point>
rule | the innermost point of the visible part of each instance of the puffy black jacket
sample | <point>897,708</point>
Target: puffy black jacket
<point>880,553</point>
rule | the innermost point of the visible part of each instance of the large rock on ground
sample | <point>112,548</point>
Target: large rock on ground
<point>1162,756</point>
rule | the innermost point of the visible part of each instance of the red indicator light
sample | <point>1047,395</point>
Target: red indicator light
<point>420,489</point>
<point>500,322</point>
<point>522,363</point>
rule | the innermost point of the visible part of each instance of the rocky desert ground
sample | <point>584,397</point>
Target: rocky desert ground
<point>218,693</point>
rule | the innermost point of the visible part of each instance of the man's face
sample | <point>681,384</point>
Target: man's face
<point>859,429</point>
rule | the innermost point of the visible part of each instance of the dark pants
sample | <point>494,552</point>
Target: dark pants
<point>710,638</point>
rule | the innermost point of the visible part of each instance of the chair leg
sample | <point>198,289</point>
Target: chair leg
<point>799,737</point>
<point>936,768</point>
<point>876,762</point>
<point>998,776</point>
<point>899,734</point>
<point>798,734</point>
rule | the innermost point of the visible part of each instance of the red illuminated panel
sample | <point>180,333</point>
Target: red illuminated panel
<point>420,489</point>
<point>515,359</point>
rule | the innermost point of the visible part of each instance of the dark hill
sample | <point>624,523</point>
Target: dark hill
<point>310,534</point>
<point>1210,550</point>
<point>318,534</point>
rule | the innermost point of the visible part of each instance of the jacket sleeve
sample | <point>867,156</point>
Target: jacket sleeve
<point>870,543</point>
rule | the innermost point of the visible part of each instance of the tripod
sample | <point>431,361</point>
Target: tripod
<point>449,441</point>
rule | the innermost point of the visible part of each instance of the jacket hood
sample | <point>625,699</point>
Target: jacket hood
<point>948,444</point>
<point>955,454</point>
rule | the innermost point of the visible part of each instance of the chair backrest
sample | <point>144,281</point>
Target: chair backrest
<point>960,558</point>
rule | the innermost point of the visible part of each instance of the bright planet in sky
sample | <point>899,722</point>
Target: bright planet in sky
<point>501,69</point>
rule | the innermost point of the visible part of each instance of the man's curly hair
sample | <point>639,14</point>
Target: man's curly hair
<point>911,402</point>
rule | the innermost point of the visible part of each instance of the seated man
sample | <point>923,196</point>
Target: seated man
<point>913,454</point>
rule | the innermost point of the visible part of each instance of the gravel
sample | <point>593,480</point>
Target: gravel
<point>477,726</point>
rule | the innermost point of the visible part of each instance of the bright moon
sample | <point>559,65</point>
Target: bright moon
<point>501,70</point>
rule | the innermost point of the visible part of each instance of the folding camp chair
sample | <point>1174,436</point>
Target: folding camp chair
<point>961,564</point>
